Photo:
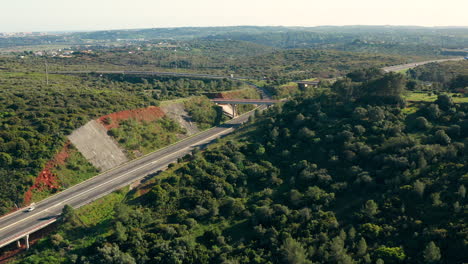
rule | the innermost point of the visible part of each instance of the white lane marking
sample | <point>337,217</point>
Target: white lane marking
<point>116,178</point>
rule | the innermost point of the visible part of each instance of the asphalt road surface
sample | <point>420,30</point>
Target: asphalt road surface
<point>415,64</point>
<point>22,222</point>
<point>179,74</point>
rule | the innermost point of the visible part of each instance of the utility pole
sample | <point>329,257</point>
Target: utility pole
<point>175,54</point>
<point>47,73</point>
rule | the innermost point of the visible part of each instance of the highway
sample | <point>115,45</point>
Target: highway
<point>401,67</point>
<point>394,68</point>
<point>155,73</point>
<point>20,223</point>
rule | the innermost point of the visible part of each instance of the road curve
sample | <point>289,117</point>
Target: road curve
<point>20,223</point>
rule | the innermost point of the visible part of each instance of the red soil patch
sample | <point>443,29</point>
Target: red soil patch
<point>46,179</point>
<point>142,114</point>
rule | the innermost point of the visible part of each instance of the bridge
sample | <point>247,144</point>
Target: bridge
<point>231,111</point>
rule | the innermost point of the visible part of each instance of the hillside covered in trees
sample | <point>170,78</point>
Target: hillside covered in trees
<point>343,175</point>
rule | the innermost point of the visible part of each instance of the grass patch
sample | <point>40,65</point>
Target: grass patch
<point>429,97</point>
<point>140,138</point>
<point>101,209</point>
<point>77,169</point>
<point>420,97</point>
<point>410,110</point>
<point>39,195</point>
<point>175,101</point>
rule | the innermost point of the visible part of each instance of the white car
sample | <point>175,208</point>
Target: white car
<point>31,207</point>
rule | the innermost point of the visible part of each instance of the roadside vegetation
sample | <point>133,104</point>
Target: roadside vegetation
<point>440,77</point>
<point>204,112</point>
<point>140,137</point>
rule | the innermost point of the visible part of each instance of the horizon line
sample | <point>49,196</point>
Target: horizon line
<point>232,26</point>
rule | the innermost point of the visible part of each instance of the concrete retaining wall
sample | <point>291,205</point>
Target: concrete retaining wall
<point>97,147</point>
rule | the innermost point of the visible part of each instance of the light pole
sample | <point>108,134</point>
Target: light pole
<point>47,73</point>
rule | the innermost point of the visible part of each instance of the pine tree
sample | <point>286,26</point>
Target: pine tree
<point>352,233</point>
<point>362,247</point>
<point>419,187</point>
<point>432,253</point>
<point>294,252</point>
<point>462,191</point>
<point>370,208</point>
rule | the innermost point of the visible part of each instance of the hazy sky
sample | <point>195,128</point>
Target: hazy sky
<point>64,15</point>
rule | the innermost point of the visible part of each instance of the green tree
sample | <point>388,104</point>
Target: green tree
<point>433,111</point>
<point>419,187</point>
<point>390,254</point>
<point>462,191</point>
<point>422,123</point>
<point>69,215</point>
<point>362,247</point>
<point>389,85</point>
<point>436,199</point>
<point>431,253</point>
<point>370,208</point>
<point>444,101</point>
<point>442,138</point>
<point>338,251</point>
<point>110,253</point>
<point>294,252</point>
<point>352,233</point>
<point>5,159</point>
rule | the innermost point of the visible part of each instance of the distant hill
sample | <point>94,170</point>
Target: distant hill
<point>386,39</point>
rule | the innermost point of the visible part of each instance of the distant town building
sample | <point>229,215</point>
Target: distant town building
<point>306,84</point>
